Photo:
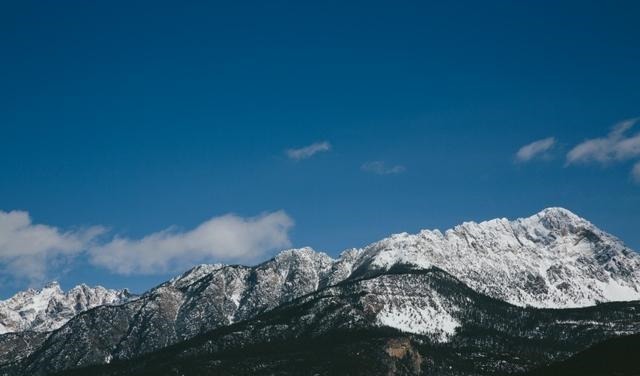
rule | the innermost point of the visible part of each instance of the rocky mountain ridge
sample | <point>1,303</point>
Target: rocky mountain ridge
<point>401,322</point>
<point>553,259</point>
<point>49,308</point>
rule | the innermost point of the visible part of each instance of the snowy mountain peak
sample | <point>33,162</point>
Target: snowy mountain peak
<point>559,212</point>
<point>194,274</point>
<point>557,219</point>
<point>53,285</point>
<point>50,307</point>
<point>293,257</point>
<point>551,259</point>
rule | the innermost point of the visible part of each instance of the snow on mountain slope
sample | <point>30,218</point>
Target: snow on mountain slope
<point>459,332</point>
<point>49,308</point>
<point>553,259</point>
<point>410,307</point>
<point>204,298</point>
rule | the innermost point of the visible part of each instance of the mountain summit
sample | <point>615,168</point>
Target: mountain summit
<point>49,308</point>
<point>553,259</point>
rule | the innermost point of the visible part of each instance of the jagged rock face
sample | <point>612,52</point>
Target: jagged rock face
<point>16,346</point>
<point>234,293</point>
<point>49,308</point>
<point>337,330</point>
<point>553,259</point>
<point>204,298</point>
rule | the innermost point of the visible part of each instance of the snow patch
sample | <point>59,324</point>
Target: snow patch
<point>425,320</point>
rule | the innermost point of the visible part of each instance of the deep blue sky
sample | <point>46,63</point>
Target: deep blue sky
<point>142,115</point>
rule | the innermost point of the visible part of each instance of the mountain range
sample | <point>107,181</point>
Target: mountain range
<point>495,297</point>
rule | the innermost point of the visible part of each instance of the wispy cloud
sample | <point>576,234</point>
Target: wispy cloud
<point>381,168</point>
<point>228,238</point>
<point>308,151</point>
<point>535,149</point>
<point>31,252</point>
<point>616,146</point>
<point>28,251</point>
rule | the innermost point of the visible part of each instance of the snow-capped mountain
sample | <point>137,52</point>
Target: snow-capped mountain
<point>551,259</point>
<point>204,298</point>
<point>49,308</point>
<point>444,328</point>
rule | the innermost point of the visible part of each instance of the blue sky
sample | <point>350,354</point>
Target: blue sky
<point>121,119</point>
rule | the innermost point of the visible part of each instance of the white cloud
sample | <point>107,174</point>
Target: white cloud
<point>28,250</point>
<point>227,238</point>
<point>535,149</point>
<point>617,146</point>
<point>308,151</point>
<point>31,251</point>
<point>381,168</point>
